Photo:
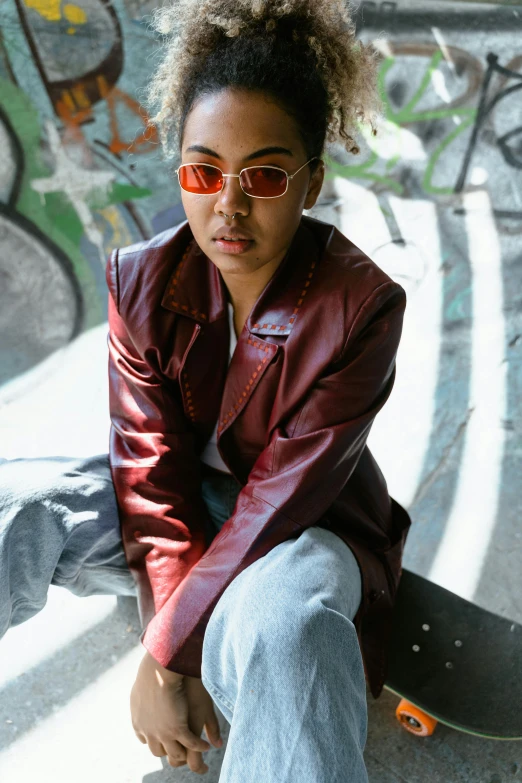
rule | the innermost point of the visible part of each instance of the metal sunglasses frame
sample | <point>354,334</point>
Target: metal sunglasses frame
<point>211,166</point>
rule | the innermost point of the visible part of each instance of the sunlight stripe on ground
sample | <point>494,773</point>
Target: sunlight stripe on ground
<point>407,418</point>
<point>61,407</point>
<point>469,527</point>
<point>91,738</point>
<point>26,645</point>
<point>406,421</point>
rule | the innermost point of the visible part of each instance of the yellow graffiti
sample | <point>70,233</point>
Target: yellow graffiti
<point>116,233</point>
<point>49,9</point>
<point>74,14</point>
<point>80,96</point>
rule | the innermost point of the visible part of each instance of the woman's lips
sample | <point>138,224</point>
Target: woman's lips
<point>237,246</point>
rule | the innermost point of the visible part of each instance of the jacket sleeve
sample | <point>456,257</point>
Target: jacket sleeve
<point>154,467</point>
<point>295,479</point>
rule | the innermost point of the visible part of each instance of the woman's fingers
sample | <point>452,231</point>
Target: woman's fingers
<point>195,762</point>
<point>191,741</point>
<point>213,730</point>
<point>168,712</point>
<point>175,762</point>
<point>179,755</point>
<point>175,749</point>
<point>156,748</point>
<point>201,711</point>
<point>176,753</point>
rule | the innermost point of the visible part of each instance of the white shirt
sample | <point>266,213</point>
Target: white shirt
<point>210,453</point>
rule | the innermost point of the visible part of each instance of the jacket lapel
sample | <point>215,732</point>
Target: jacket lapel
<point>197,291</point>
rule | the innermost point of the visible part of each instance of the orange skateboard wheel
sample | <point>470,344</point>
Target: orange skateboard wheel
<point>415,720</point>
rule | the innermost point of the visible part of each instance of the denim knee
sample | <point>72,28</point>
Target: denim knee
<point>58,525</point>
<point>287,621</point>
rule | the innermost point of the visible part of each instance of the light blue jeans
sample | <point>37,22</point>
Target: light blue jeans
<point>281,657</point>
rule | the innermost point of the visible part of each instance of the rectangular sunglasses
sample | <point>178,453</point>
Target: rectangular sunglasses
<point>257,181</point>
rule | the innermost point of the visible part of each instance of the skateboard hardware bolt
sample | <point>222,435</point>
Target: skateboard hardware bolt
<point>458,643</point>
<point>415,648</point>
<point>449,665</point>
<point>425,627</point>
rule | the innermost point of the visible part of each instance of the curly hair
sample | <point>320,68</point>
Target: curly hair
<point>303,53</point>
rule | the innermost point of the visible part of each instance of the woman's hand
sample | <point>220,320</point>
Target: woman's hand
<point>169,711</point>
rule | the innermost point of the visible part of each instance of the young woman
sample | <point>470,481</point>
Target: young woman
<point>250,349</point>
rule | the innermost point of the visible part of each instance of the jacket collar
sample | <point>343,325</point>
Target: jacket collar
<point>197,290</point>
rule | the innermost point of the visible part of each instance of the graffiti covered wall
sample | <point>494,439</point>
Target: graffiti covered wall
<point>79,174</point>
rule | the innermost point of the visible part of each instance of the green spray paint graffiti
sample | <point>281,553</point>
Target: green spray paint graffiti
<point>397,120</point>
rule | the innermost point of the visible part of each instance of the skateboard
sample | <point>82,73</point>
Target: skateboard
<point>452,662</point>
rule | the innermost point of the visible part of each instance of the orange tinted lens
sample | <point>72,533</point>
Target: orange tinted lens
<point>200,179</point>
<point>263,181</point>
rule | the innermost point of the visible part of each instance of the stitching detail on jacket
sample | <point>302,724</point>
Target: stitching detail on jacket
<point>296,309</point>
<point>175,281</point>
<point>188,395</point>
<point>255,343</point>
<point>248,386</point>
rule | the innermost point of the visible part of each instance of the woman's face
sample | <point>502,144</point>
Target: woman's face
<point>230,129</point>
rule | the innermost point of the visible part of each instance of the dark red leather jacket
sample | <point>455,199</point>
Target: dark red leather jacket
<point>314,364</point>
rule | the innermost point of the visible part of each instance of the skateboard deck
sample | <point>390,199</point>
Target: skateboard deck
<point>454,662</point>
